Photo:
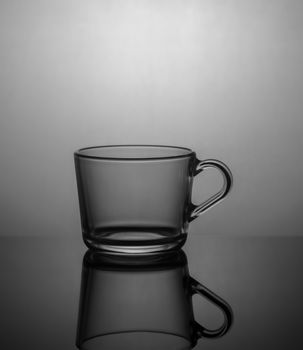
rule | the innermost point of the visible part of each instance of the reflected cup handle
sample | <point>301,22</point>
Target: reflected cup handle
<point>198,288</point>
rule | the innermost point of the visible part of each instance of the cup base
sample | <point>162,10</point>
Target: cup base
<point>128,340</point>
<point>134,241</point>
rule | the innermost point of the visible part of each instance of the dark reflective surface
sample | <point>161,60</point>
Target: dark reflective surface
<point>260,277</point>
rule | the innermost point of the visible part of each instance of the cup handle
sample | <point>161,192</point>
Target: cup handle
<point>197,210</point>
<point>198,288</point>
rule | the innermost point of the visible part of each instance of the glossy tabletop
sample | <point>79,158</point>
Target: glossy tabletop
<point>260,277</point>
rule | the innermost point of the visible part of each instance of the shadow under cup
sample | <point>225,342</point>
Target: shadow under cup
<point>137,198</point>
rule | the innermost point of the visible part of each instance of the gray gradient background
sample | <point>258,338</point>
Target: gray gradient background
<point>221,77</point>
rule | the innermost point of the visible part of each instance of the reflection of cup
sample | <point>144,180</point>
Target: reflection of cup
<point>141,302</point>
<point>137,199</point>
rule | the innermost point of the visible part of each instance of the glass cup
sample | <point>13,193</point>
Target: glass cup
<point>137,198</point>
<point>142,302</point>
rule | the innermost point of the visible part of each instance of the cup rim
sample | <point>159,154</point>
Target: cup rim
<point>80,152</point>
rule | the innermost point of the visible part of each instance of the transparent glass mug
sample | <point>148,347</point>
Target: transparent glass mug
<point>142,302</point>
<point>137,198</point>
